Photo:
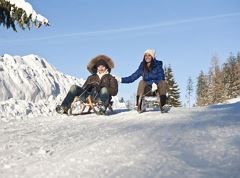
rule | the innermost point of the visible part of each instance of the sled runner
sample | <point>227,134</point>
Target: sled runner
<point>79,107</point>
<point>151,101</point>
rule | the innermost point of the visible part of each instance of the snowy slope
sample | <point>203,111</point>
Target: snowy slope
<point>29,85</point>
<point>185,143</point>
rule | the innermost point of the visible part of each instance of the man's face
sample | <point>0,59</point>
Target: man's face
<point>101,69</point>
<point>148,57</point>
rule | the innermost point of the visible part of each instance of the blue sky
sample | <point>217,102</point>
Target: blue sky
<point>185,34</point>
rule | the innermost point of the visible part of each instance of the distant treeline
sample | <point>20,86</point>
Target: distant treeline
<point>222,82</point>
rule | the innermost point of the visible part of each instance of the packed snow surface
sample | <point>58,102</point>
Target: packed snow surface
<point>186,143</point>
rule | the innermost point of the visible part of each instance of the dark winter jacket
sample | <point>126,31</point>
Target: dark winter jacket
<point>107,81</point>
<point>155,75</point>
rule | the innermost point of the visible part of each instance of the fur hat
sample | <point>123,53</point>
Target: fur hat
<point>151,52</point>
<point>92,64</point>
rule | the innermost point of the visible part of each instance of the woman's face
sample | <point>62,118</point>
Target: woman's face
<point>101,69</point>
<point>147,58</point>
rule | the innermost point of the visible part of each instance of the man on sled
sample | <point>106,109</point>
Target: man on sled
<point>97,91</point>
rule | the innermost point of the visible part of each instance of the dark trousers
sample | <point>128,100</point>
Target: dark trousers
<point>145,90</point>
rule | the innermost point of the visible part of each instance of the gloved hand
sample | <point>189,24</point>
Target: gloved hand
<point>96,87</point>
<point>92,87</point>
<point>154,87</point>
<point>119,79</point>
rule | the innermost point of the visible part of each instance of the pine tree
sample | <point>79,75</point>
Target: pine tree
<point>172,89</point>
<point>238,74</point>
<point>121,100</point>
<point>221,83</point>
<point>217,85</point>
<point>236,83</point>
<point>230,77</point>
<point>189,91</point>
<point>11,14</point>
<point>202,90</point>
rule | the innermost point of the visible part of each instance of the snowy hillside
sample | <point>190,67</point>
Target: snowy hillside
<point>185,143</point>
<point>30,86</point>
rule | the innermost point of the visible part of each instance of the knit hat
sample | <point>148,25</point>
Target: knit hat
<point>102,62</point>
<point>151,52</point>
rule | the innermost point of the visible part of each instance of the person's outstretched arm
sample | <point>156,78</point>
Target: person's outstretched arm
<point>132,77</point>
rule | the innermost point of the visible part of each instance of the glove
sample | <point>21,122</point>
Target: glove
<point>96,87</point>
<point>119,79</point>
<point>92,87</point>
<point>154,87</point>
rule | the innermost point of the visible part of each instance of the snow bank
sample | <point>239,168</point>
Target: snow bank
<point>234,100</point>
<point>13,109</point>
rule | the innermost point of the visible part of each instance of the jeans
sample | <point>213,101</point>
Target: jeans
<point>102,95</point>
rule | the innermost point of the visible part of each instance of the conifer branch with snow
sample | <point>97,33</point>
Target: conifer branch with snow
<point>20,12</point>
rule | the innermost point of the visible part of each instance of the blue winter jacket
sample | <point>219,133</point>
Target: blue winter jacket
<point>155,75</point>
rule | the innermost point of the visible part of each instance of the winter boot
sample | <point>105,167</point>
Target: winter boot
<point>110,106</point>
<point>136,105</point>
<point>139,106</point>
<point>163,100</point>
<point>102,110</point>
<point>61,109</point>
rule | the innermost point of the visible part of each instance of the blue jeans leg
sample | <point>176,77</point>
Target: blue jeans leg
<point>74,91</point>
<point>104,96</point>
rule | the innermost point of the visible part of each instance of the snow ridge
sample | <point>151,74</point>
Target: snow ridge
<point>34,75</point>
<point>31,86</point>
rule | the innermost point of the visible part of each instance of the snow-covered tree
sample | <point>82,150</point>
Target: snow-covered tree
<point>19,12</point>
<point>230,77</point>
<point>221,82</point>
<point>237,73</point>
<point>189,91</point>
<point>172,89</point>
<point>121,100</point>
<point>202,89</point>
<point>217,85</point>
